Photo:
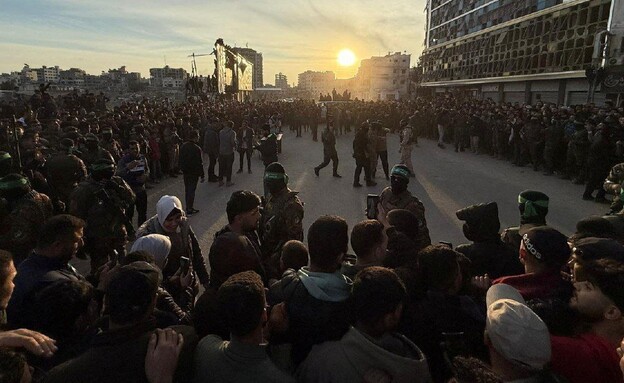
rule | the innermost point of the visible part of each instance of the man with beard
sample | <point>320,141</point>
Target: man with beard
<point>599,299</point>
<point>59,240</point>
<point>236,247</point>
<point>282,217</point>
<point>396,196</point>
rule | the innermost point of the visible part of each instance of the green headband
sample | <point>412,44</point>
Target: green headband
<point>529,206</point>
<point>396,171</point>
<point>12,184</point>
<point>268,176</point>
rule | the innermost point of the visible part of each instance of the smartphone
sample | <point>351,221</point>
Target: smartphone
<point>371,206</point>
<point>114,258</point>
<point>184,265</point>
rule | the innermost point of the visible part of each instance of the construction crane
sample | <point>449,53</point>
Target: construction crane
<point>194,72</point>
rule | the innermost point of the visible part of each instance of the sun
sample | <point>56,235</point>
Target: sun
<point>346,57</point>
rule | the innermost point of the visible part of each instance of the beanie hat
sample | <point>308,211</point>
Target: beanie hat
<point>547,245</point>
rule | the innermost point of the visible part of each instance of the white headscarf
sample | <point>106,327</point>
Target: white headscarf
<point>165,205</point>
<point>157,245</point>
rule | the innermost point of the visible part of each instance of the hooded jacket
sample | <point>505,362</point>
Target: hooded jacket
<point>317,308</point>
<point>350,358</point>
<point>157,245</point>
<point>232,253</point>
<point>487,254</point>
<point>154,226</point>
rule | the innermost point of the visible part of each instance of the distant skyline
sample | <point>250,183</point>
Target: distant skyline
<point>293,36</point>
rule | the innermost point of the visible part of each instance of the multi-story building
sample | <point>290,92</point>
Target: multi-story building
<point>72,77</point>
<point>48,74</point>
<point>281,81</point>
<point>256,59</point>
<point>383,78</point>
<point>521,50</point>
<point>28,75</point>
<point>168,77</point>
<point>316,82</point>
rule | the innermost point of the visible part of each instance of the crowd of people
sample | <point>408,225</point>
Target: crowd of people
<point>525,304</point>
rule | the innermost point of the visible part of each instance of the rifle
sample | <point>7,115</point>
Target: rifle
<point>18,156</point>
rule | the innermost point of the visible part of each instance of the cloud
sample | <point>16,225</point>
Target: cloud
<point>293,35</point>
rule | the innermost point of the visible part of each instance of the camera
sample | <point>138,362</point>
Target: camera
<point>371,206</point>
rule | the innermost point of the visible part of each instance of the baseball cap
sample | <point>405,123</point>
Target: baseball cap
<point>547,245</point>
<point>514,330</point>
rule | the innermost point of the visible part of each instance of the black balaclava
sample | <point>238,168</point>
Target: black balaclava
<point>275,177</point>
<point>399,179</point>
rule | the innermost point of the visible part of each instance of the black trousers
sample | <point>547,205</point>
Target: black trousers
<point>329,156</point>
<point>225,166</point>
<point>190,185</point>
<point>141,207</point>
<point>242,154</point>
<point>362,163</point>
<point>384,162</point>
<point>212,162</point>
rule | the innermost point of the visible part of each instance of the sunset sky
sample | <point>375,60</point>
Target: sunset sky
<point>293,36</point>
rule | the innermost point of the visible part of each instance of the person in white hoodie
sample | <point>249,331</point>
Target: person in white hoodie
<point>371,347</point>
<point>171,221</point>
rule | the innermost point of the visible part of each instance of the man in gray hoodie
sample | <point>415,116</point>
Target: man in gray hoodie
<point>315,297</point>
<point>371,347</point>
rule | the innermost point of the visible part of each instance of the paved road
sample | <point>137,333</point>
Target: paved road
<point>445,182</point>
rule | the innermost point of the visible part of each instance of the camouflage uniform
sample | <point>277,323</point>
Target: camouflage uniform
<point>407,201</point>
<point>20,222</point>
<point>103,205</point>
<point>64,172</point>
<point>112,147</point>
<point>282,220</point>
<point>613,185</point>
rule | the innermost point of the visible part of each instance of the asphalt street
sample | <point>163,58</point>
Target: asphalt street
<point>445,182</point>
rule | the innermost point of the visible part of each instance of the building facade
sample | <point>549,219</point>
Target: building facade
<point>48,74</point>
<point>519,51</point>
<point>281,81</point>
<point>168,77</point>
<point>383,78</point>
<point>73,77</point>
<point>316,82</point>
<point>256,59</point>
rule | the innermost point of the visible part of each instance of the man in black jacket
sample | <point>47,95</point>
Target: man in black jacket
<point>211,147</point>
<point>193,169</point>
<point>360,153</point>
